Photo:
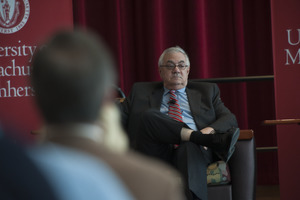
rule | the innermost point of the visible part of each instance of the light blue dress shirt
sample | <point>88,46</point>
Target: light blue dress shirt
<point>75,175</point>
<point>187,117</point>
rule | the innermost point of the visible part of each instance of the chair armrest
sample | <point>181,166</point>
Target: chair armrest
<point>281,121</point>
<point>246,134</point>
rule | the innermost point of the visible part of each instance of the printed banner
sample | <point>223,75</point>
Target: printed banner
<point>286,53</point>
<point>23,25</point>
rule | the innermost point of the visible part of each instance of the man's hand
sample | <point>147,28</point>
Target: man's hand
<point>207,130</point>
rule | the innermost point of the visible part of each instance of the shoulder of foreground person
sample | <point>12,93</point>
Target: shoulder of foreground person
<point>145,177</point>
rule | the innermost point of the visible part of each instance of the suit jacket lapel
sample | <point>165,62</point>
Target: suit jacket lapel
<point>194,98</point>
<point>156,98</point>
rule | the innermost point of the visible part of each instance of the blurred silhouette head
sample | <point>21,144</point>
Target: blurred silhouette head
<point>72,74</point>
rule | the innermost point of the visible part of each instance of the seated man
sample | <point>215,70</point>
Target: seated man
<point>177,112</point>
<point>73,77</point>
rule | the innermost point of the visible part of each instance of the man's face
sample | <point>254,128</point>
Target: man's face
<point>174,79</point>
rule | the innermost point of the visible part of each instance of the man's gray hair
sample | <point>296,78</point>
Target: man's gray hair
<point>173,49</point>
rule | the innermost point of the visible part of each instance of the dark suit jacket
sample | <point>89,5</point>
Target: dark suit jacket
<point>205,103</point>
<point>20,177</point>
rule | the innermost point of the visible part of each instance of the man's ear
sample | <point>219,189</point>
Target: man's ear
<point>109,96</point>
<point>188,70</point>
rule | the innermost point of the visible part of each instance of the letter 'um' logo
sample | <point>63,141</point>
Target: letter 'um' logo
<point>13,15</point>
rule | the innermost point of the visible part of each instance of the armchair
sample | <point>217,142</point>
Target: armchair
<point>242,166</point>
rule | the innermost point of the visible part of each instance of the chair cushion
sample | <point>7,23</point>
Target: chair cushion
<point>218,173</point>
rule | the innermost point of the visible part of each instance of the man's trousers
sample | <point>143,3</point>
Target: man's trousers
<point>157,136</point>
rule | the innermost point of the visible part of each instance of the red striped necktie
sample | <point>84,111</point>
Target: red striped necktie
<point>174,108</point>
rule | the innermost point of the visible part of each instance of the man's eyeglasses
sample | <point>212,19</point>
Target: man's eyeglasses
<point>181,66</point>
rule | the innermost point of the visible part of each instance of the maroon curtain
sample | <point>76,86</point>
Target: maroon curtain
<point>223,39</point>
